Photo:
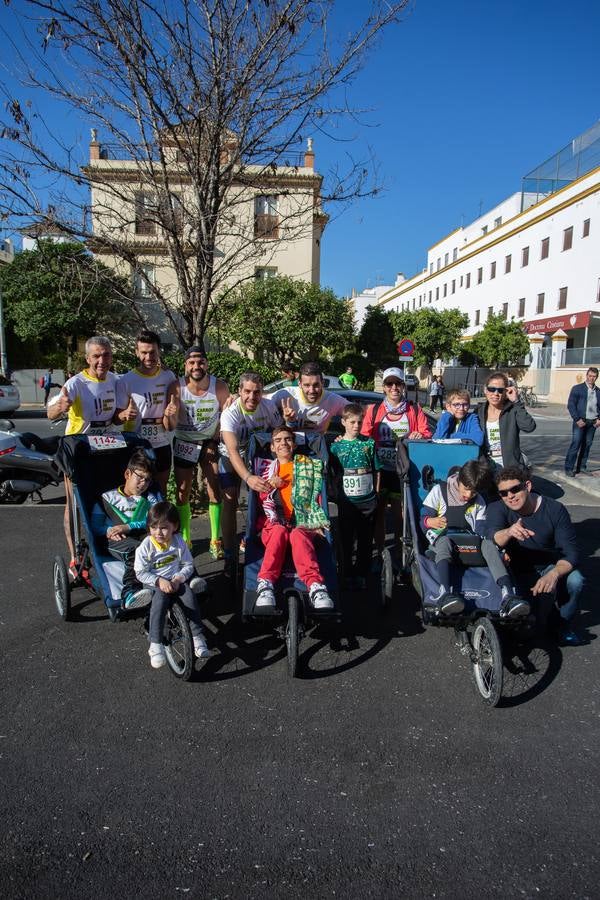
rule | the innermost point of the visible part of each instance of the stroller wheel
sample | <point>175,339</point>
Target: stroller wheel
<point>386,577</point>
<point>291,635</point>
<point>179,647</point>
<point>62,589</point>
<point>486,661</point>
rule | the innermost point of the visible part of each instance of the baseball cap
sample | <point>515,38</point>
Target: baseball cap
<point>195,348</point>
<point>394,372</point>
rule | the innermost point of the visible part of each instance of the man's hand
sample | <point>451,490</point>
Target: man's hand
<point>256,483</point>
<point>546,584</point>
<point>436,521</point>
<point>130,412</point>
<point>165,586</point>
<point>580,423</point>
<point>117,532</point>
<point>62,403</point>
<point>230,400</point>
<point>171,408</point>
<point>511,393</point>
<point>597,423</point>
<point>287,409</point>
<point>519,532</point>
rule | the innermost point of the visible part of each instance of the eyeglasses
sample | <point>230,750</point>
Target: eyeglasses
<point>393,383</point>
<point>515,489</point>
<point>460,405</point>
<point>495,390</point>
<point>143,476</point>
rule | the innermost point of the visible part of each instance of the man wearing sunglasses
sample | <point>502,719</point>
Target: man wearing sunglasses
<point>538,535</point>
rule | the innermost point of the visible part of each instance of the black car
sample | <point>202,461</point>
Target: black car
<point>365,398</point>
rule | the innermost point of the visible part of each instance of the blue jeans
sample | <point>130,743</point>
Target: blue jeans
<point>581,444</point>
<point>566,596</point>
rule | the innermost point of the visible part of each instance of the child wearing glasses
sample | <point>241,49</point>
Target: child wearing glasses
<point>457,421</point>
<point>121,519</point>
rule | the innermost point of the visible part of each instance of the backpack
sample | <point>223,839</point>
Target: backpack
<point>42,380</point>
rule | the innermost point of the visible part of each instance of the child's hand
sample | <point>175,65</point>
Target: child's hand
<point>276,481</point>
<point>117,532</point>
<point>177,581</point>
<point>165,586</point>
<point>437,522</point>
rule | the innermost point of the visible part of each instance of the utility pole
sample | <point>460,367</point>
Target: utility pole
<point>3,360</point>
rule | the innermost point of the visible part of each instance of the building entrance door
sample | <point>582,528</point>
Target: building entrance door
<point>542,385</point>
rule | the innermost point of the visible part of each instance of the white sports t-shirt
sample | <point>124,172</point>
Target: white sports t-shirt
<point>149,394</point>
<point>311,416</point>
<point>243,423</point>
<point>94,403</point>
<point>493,436</point>
<point>199,416</point>
<point>389,431</point>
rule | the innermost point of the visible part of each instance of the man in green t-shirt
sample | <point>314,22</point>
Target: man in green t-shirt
<point>347,379</point>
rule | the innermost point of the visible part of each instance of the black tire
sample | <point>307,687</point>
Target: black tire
<point>62,588</point>
<point>386,578</point>
<point>291,635</point>
<point>9,496</point>
<point>487,665</point>
<point>179,646</point>
<point>415,576</point>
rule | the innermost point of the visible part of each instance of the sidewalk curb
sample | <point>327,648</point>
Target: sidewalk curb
<point>587,484</point>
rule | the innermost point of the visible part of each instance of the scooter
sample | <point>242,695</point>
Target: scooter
<point>26,463</point>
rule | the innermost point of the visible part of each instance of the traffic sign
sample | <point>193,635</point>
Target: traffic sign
<point>405,347</point>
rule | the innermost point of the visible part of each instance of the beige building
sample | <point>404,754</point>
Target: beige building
<point>271,221</point>
<point>7,251</point>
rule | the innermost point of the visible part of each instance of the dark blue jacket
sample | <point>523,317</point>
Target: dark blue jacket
<point>577,402</point>
<point>469,428</point>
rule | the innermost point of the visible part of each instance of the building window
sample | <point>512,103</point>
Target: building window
<point>445,290</point>
<point>586,228</point>
<point>484,230</point>
<point>430,296</point>
<point>414,304</point>
<point>545,248</point>
<point>521,311</point>
<point>568,238</point>
<point>446,259</point>
<point>266,218</point>
<point>505,310</point>
<point>461,281</point>
<point>453,286</point>
<point>492,270</point>
<point>145,213</point>
<point>480,275</point>
<point>525,256</point>
<point>540,304</point>
<point>143,280</point>
<point>598,292</point>
<point>562,298</point>
<point>477,317</point>
<point>507,264</point>
<point>498,222</point>
<point>264,273</point>
<point>431,268</point>
<point>468,284</point>
<point>437,293</point>
<point>490,312</point>
<point>455,254</point>
<point>420,302</point>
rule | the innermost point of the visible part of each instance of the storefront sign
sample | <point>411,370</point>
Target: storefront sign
<point>567,323</point>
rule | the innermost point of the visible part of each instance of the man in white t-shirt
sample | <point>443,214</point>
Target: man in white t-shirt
<point>309,407</point>
<point>249,413</point>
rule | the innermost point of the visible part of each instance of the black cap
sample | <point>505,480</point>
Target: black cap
<point>195,348</point>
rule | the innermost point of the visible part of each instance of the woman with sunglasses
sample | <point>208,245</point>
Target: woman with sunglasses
<point>502,417</point>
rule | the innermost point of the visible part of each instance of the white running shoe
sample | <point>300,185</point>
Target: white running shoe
<point>265,595</point>
<point>138,599</point>
<point>319,596</point>
<point>201,651</point>
<point>157,656</point>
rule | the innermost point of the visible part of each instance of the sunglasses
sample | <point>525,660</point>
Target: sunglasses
<point>495,390</point>
<point>515,489</point>
<point>393,383</point>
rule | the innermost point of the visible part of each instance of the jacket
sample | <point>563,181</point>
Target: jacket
<point>514,418</point>
<point>417,420</point>
<point>468,428</point>
<point>577,402</point>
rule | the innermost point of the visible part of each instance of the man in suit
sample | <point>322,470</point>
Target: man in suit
<point>584,409</point>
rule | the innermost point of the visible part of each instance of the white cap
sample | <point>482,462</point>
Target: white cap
<point>394,372</point>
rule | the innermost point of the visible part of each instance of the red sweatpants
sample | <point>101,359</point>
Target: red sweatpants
<point>276,539</point>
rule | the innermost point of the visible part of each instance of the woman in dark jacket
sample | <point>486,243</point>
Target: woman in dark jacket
<point>502,417</point>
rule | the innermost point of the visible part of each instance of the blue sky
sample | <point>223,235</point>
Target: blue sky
<point>464,98</point>
<point>469,96</point>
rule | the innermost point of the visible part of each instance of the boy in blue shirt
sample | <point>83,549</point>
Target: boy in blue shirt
<point>457,421</point>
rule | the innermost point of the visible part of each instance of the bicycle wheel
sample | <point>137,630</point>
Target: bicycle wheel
<point>62,588</point>
<point>386,577</point>
<point>179,646</point>
<point>486,660</point>
<point>291,635</point>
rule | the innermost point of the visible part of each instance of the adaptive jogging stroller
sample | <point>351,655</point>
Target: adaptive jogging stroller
<point>94,464</point>
<point>478,627</point>
<point>293,603</point>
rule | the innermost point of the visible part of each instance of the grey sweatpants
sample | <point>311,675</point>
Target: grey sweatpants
<point>443,549</point>
<point>160,605</point>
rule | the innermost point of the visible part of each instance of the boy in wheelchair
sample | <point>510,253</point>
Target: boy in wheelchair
<point>293,518</point>
<point>449,518</point>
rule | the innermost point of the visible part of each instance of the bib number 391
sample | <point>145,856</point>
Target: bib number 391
<point>187,451</point>
<point>358,484</point>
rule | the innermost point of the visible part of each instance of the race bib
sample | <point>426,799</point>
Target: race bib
<point>105,440</point>
<point>187,450</point>
<point>154,434</point>
<point>387,457</point>
<point>357,483</point>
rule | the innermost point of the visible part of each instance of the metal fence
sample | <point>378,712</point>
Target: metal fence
<point>581,356</point>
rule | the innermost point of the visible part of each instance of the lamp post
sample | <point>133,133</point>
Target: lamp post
<point>3,359</point>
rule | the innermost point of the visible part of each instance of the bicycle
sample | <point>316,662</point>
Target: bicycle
<point>528,396</point>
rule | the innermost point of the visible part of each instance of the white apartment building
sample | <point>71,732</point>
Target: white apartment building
<point>7,251</point>
<point>534,258</point>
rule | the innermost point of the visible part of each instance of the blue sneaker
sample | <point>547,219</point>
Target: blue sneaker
<point>567,637</point>
<point>137,599</point>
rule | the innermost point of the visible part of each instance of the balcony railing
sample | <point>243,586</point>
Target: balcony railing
<point>266,227</point>
<point>580,356</point>
<point>130,153</point>
<point>145,228</point>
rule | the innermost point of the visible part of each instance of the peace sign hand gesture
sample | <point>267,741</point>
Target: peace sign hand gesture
<point>287,409</point>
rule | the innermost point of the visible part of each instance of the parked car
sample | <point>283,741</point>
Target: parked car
<point>10,399</point>
<point>411,381</point>
<point>332,383</point>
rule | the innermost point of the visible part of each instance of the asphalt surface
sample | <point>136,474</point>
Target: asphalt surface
<point>377,773</point>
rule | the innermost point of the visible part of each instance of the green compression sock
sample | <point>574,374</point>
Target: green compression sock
<point>185,521</point>
<point>214,516</point>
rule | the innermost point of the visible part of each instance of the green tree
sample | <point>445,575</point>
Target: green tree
<point>499,343</point>
<point>57,292</point>
<point>436,333</point>
<point>376,338</point>
<point>281,319</point>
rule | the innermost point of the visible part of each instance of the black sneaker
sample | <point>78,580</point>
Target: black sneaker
<point>450,604</point>
<point>515,607</point>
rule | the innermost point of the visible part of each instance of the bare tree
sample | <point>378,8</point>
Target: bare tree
<point>205,102</point>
